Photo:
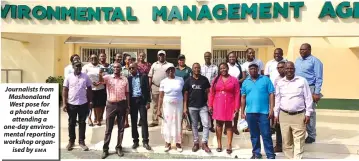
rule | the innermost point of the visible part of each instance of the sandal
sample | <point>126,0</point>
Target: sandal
<point>229,151</point>
<point>167,147</point>
<point>219,149</point>
<point>90,123</point>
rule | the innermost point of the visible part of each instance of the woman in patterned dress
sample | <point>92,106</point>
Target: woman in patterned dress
<point>171,99</point>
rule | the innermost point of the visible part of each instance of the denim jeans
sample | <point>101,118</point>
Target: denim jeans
<point>258,125</point>
<point>311,127</point>
<point>203,113</point>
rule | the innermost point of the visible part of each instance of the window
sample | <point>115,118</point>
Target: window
<point>133,52</point>
<point>219,56</point>
<point>87,52</point>
<point>111,52</point>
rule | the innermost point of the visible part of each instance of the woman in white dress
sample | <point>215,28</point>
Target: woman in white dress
<point>171,99</point>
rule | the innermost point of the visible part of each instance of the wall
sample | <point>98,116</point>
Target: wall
<point>307,24</point>
<point>35,58</point>
<point>341,65</point>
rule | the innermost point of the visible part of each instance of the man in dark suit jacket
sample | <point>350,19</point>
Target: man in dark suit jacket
<point>140,101</point>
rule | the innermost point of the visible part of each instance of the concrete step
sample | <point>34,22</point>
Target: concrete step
<point>337,134</point>
<point>95,136</point>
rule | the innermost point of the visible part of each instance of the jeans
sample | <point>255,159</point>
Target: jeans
<point>311,127</point>
<point>258,125</point>
<point>137,105</point>
<point>81,111</point>
<point>203,113</point>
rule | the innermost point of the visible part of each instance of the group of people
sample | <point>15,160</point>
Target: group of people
<point>280,95</point>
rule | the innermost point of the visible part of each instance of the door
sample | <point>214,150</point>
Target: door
<point>171,55</point>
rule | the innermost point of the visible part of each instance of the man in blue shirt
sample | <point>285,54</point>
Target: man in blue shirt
<point>140,102</point>
<point>311,68</point>
<point>257,105</point>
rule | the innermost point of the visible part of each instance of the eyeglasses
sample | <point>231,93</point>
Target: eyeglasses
<point>131,68</point>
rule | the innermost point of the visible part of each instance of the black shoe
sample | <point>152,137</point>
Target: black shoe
<point>309,140</point>
<point>256,157</point>
<point>200,129</point>
<point>84,147</point>
<point>212,130</point>
<point>105,154</point>
<point>147,147</point>
<point>135,145</point>
<point>189,128</point>
<point>272,130</point>
<point>139,124</point>
<point>70,146</point>
<point>153,124</point>
<point>119,152</point>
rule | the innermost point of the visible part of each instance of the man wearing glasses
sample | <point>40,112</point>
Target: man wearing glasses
<point>311,68</point>
<point>140,99</point>
<point>272,70</point>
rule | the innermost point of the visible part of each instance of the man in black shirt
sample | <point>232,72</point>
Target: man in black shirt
<point>196,90</point>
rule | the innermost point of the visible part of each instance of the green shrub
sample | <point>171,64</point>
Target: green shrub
<point>60,81</point>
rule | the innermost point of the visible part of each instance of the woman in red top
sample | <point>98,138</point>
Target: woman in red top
<point>224,103</point>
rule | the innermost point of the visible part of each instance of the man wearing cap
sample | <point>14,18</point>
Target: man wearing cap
<point>76,99</point>
<point>257,105</point>
<point>293,106</point>
<point>183,71</point>
<point>156,75</point>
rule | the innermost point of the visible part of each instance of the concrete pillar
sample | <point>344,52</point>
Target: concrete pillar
<point>194,46</point>
<point>291,50</point>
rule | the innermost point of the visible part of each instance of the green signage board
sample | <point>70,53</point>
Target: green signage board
<point>237,11</point>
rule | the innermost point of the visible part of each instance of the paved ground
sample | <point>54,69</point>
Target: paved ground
<point>79,154</point>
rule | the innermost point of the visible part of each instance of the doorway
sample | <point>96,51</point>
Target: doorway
<point>171,55</point>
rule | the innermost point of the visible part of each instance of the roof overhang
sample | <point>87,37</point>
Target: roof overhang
<point>125,41</point>
<point>216,42</point>
<point>242,42</point>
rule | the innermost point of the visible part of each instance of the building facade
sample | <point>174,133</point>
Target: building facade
<point>38,37</point>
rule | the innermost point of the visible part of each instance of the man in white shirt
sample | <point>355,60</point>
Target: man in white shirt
<point>251,58</point>
<point>271,66</point>
<point>293,107</point>
<point>69,69</point>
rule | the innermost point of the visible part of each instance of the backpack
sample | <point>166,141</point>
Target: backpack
<point>240,71</point>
